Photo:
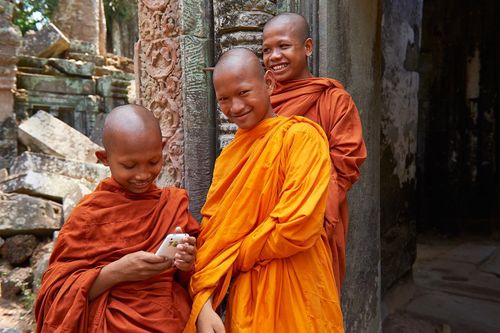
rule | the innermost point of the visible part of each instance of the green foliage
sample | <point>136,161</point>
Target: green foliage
<point>27,298</point>
<point>120,10</point>
<point>32,14</point>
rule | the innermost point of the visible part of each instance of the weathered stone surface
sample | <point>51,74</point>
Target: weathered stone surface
<point>56,84</point>
<point>84,21</point>
<point>28,215</point>
<point>198,123</point>
<point>71,199</point>
<point>45,133</point>
<point>10,37</point>
<point>46,185</point>
<point>78,111</point>
<point>3,174</point>
<point>9,330</point>
<point>18,249</point>
<point>73,67</point>
<point>16,281</point>
<point>40,262</point>
<point>2,241</point>
<point>42,163</point>
<point>47,42</point>
<point>96,59</point>
<point>492,264</point>
<point>400,86</point>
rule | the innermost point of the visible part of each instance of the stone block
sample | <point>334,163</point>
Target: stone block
<point>36,162</point>
<point>56,84</point>
<point>45,43</point>
<point>73,67</point>
<point>80,46</point>
<point>45,185</point>
<point>109,86</point>
<point>18,249</point>
<point>16,281</point>
<point>40,262</point>
<point>3,174</point>
<point>96,59</point>
<point>45,133</point>
<point>23,214</point>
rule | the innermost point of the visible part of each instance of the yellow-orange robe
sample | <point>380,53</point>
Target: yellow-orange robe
<point>325,102</point>
<point>262,235</point>
<point>106,225</point>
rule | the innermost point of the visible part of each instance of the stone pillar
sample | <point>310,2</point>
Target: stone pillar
<point>401,26</point>
<point>83,20</point>
<point>349,50</point>
<point>10,39</point>
<point>170,57</point>
<point>238,24</point>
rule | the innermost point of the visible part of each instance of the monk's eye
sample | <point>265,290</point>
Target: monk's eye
<point>285,46</point>
<point>244,92</point>
<point>128,166</point>
<point>222,99</point>
<point>155,162</point>
<point>265,50</point>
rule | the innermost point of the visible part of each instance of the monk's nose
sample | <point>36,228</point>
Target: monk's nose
<point>275,54</point>
<point>142,175</point>
<point>237,106</point>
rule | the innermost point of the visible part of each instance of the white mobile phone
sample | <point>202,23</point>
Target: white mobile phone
<point>169,246</point>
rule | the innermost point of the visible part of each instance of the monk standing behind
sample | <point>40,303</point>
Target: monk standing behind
<point>103,275</point>
<point>286,46</point>
<point>262,236</point>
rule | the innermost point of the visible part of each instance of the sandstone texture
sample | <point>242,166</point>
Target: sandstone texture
<point>18,249</point>
<point>45,133</point>
<point>47,42</point>
<point>25,214</point>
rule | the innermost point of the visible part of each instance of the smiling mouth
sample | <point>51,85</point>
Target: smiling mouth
<point>142,185</point>
<point>279,67</point>
<point>240,115</point>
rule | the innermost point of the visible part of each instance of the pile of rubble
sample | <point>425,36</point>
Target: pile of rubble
<point>37,193</point>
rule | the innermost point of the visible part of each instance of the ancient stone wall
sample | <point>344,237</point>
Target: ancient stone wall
<point>459,113</point>
<point>9,45</point>
<point>83,20</point>
<point>170,56</point>
<point>349,50</point>
<point>401,31</point>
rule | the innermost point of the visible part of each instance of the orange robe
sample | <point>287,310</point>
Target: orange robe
<point>325,102</point>
<point>106,225</point>
<point>262,235</point>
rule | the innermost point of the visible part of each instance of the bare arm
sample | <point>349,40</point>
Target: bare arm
<point>135,266</point>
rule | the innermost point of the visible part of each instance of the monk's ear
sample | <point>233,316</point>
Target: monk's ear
<point>270,81</point>
<point>308,45</point>
<point>102,156</point>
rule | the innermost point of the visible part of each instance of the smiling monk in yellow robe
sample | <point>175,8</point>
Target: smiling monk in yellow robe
<point>262,237</point>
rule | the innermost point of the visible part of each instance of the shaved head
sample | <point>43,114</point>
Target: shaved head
<point>237,59</point>
<point>295,22</point>
<point>129,122</point>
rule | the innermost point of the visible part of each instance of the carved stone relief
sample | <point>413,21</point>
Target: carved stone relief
<point>158,72</point>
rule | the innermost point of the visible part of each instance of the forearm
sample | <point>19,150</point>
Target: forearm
<point>106,279</point>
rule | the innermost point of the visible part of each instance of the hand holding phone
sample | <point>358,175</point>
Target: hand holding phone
<point>168,248</point>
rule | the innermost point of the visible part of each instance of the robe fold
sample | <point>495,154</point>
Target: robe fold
<point>262,235</point>
<point>325,102</point>
<point>105,226</point>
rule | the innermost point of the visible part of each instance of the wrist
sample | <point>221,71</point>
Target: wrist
<point>113,273</point>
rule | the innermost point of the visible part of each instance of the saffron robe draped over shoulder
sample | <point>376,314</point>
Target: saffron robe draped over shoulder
<point>262,235</point>
<point>325,102</point>
<point>105,226</point>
